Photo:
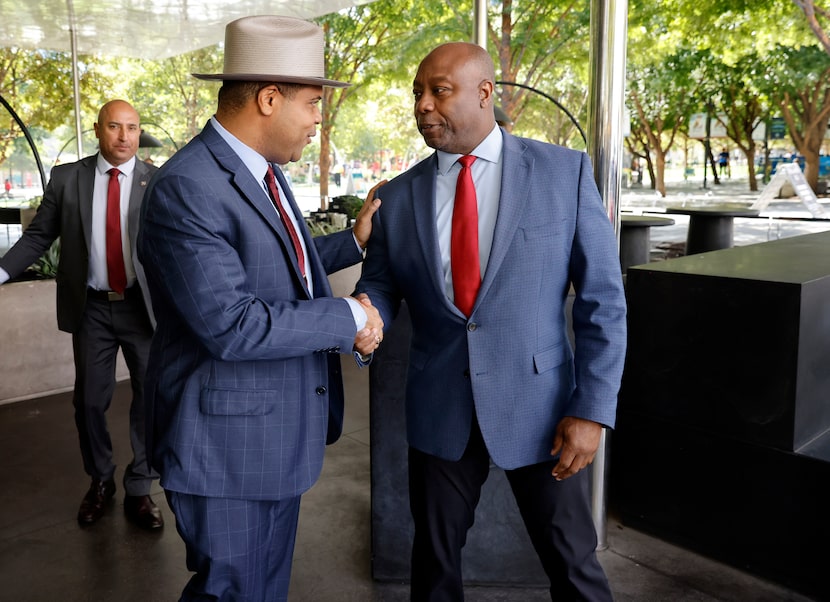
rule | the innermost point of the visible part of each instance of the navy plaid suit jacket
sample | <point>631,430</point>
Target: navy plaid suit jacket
<point>243,384</point>
<point>512,359</point>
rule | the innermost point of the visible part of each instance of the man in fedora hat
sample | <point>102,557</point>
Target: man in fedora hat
<point>243,385</point>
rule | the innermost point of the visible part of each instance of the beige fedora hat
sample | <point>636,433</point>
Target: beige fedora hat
<point>274,49</point>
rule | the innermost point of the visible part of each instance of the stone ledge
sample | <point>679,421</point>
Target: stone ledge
<point>37,357</point>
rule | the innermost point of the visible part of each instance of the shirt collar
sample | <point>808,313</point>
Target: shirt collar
<point>489,149</point>
<point>255,162</point>
<point>104,166</point>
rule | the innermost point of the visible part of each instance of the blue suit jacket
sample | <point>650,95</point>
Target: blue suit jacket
<point>512,359</point>
<point>242,380</point>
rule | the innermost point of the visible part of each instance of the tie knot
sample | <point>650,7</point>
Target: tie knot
<point>114,172</point>
<point>467,160</point>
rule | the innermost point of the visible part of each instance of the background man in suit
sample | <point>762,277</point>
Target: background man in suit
<point>244,385</point>
<point>103,310</point>
<point>491,370</point>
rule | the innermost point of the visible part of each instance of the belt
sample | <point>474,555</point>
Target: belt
<point>92,293</point>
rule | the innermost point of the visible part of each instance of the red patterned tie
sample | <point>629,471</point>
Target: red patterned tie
<point>289,225</point>
<point>115,256</point>
<point>466,272</point>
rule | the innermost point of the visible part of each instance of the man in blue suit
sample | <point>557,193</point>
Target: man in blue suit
<point>244,386</point>
<point>492,373</point>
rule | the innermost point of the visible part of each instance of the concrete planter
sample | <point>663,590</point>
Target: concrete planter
<point>37,357</point>
<point>26,216</point>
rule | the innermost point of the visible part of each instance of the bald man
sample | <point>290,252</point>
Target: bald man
<point>102,299</point>
<point>484,240</point>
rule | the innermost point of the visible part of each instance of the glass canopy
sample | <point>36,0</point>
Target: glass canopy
<point>148,29</point>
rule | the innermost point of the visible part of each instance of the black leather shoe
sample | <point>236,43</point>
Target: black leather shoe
<point>141,510</point>
<point>95,501</point>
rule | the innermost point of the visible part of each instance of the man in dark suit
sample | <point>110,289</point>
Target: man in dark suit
<point>492,373</point>
<point>102,298</point>
<point>244,386</point>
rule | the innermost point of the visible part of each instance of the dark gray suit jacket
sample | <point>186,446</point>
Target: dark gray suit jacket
<point>66,212</point>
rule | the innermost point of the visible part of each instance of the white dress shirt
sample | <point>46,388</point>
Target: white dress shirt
<point>98,277</point>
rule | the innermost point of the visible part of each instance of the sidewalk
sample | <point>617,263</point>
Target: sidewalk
<point>782,218</point>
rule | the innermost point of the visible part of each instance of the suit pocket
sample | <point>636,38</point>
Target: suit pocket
<point>237,402</point>
<point>548,359</point>
<point>547,229</point>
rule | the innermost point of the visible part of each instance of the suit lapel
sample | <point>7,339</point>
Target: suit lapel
<point>423,210</point>
<point>141,179</point>
<point>252,191</point>
<point>515,188</point>
<point>86,185</point>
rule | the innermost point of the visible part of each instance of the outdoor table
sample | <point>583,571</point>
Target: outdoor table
<point>635,240</point>
<point>9,216</point>
<point>711,227</point>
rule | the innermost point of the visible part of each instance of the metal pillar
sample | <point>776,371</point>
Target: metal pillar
<point>609,30</point>
<point>480,22</point>
<point>70,8</point>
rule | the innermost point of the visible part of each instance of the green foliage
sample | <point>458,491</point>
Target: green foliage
<point>320,228</point>
<point>348,204</point>
<point>47,264</point>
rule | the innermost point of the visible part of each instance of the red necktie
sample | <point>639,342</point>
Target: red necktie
<point>466,271</point>
<point>115,256</point>
<point>289,225</point>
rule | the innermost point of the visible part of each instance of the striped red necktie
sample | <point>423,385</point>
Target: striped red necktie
<point>289,225</point>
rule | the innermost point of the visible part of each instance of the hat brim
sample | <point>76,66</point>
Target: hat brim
<point>261,77</point>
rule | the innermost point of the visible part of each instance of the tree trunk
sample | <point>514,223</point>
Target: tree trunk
<point>325,165</point>
<point>749,152</point>
<point>811,166</point>
<point>660,171</point>
<point>712,163</point>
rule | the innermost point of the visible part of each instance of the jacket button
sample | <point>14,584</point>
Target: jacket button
<point>321,390</point>
<point>467,373</point>
<point>472,326</point>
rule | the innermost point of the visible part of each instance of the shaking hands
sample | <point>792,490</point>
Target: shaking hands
<point>368,339</point>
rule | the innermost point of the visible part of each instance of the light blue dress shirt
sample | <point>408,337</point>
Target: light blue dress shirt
<point>486,171</point>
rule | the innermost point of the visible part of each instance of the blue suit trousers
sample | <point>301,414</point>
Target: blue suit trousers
<point>240,550</point>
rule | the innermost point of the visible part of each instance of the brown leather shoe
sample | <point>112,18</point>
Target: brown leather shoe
<point>141,510</point>
<point>95,501</point>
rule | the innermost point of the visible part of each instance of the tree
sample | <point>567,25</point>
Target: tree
<point>355,39</point>
<point>8,88</point>
<point>168,96</point>
<point>815,15</point>
<point>800,80</point>
<point>735,92</point>
<point>662,92</point>
<point>543,46</point>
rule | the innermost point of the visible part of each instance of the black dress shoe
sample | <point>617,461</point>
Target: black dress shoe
<point>95,501</point>
<point>141,510</point>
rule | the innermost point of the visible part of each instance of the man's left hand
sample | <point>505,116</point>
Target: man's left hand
<point>363,224</point>
<point>576,442</point>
